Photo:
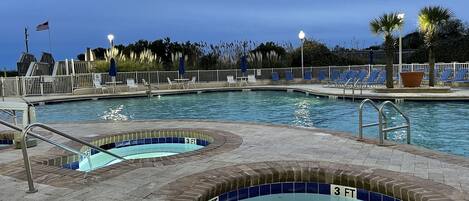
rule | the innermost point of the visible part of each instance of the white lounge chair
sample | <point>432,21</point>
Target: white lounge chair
<point>97,85</point>
<point>131,84</point>
<point>170,84</point>
<point>192,82</point>
<point>230,79</point>
<point>251,79</point>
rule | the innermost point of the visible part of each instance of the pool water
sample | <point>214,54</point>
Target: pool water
<point>299,197</point>
<point>136,152</point>
<point>440,126</point>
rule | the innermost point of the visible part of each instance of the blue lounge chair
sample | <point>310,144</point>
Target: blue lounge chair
<point>361,76</point>
<point>460,76</point>
<point>446,75</point>
<point>344,76</point>
<point>322,75</point>
<point>308,75</point>
<point>335,75</point>
<point>288,75</point>
<point>275,76</point>
<point>372,78</point>
<point>381,78</point>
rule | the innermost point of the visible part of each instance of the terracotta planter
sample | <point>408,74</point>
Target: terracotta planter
<point>412,79</point>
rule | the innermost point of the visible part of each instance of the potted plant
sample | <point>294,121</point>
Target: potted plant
<point>411,79</point>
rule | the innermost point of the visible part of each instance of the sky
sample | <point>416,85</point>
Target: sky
<point>75,25</point>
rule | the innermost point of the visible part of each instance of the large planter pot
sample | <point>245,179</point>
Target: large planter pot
<point>412,79</point>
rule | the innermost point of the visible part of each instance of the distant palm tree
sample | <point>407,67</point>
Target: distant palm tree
<point>431,19</point>
<point>386,25</point>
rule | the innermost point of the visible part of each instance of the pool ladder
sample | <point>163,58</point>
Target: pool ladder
<point>27,131</point>
<point>382,121</point>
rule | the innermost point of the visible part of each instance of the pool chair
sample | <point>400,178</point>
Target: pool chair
<point>335,75</point>
<point>308,76</point>
<point>446,76</point>
<point>460,76</point>
<point>275,77</point>
<point>230,79</point>
<point>288,76</point>
<point>360,78</point>
<point>192,82</point>
<point>322,75</point>
<point>170,84</point>
<point>372,78</point>
<point>131,84</point>
<point>97,85</point>
<point>251,79</point>
<point>381,78</point>
<point>343,78</point>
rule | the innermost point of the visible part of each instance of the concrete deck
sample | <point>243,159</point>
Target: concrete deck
<point>456,94</point>
<point>260,143</point>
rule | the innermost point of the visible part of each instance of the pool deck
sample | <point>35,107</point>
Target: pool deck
<point>457,94</point>
<point>260,143</point>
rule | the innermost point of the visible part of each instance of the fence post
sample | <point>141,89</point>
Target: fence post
<point>136,77</point>
<point>329,72</point>
<point>454,67</point>
<point>17,84</point>
<point>3,88</point>
<point>218,80</point>
<point>72,82</point>
<point>411,67</point>
<point>24,86</point>
<point>198,76</point>
<point>157,78</point>
<point>42,88</point>
<point>369,69</point>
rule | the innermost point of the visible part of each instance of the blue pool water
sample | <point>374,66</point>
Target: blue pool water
<point>299,197</point>
<point>436,125</point>
<point>136,152</point>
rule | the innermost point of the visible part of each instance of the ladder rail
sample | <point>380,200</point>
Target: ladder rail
<point>27,131</point>
<point>383,131</point>
<point>360,116</point>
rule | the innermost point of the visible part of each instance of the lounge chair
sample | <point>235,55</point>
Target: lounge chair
<point>170,84</point>
<point>360,78</point>
<point>251,79</point>
<point>192,82</point>
<point>230,79</point>
<point>343,78</point>
<point>372,78</point>
<point>381,78</point>
<point>97,85</point>
<point>335,75</point>
<point>288,75</point>
<point>460,76</point>
<point>446,76</point>
<point>322,75</point>
<point>308,76</point>
<point>131,84</point>
<point>275,76</point>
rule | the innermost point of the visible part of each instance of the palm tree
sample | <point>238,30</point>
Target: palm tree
<point>431,19</point>
<point>386,25</point>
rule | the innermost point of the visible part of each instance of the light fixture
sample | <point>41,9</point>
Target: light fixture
<point>301,35</point>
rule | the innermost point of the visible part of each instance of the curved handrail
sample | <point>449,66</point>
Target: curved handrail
<point>27,163</point>
<point>381,130</point>
<point>360,115</point>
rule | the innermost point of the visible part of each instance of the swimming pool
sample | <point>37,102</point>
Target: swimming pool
<point>436,125</point>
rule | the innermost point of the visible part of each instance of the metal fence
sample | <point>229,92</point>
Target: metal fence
<point>65,84</point>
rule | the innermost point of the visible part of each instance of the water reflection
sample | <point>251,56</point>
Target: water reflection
<point>115,114</point>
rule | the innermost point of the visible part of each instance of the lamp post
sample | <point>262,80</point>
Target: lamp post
<point>401,17</point>
<point>301,36</point>
<point>110,37</point>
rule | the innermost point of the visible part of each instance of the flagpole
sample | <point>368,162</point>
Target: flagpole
<point>50,46</point>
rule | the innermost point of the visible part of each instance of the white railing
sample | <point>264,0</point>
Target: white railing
<point>65,84</point>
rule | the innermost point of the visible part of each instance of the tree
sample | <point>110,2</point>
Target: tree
<point>431,19</point>
<point>386,25</point>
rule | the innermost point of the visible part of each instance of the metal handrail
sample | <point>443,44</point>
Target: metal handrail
<point>27,131</point>
<point>360,117</point>
<point>11,113</point>
<point>383,131</point>
<point>345,87</point>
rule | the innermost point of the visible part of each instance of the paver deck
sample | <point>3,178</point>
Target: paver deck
<point>261,142</point>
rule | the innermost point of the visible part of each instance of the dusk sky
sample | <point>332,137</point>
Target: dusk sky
<point>75,25</point>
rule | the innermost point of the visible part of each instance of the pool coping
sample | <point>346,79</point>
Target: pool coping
<point>211,183</point>
<point>295,88</point>
<point>61,177</point>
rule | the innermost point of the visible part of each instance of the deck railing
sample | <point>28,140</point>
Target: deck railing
<point>65,84</point>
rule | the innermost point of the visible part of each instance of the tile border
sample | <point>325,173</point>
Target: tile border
<point>211,183</point>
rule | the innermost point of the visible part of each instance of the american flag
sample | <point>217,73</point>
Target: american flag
<point>43,26</point>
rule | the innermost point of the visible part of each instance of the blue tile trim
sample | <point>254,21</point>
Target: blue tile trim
<point>179,140</point>
<point>296,187</point>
